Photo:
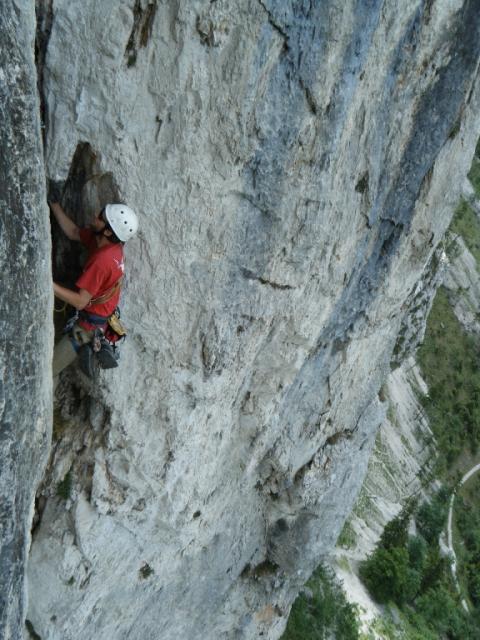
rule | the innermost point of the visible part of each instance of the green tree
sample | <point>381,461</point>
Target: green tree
<point>323,613</point>
<point>444,614</point>
<point>431,516</point>
<point>417,552</point>
<point>395,533</point>
<point>388,576</point>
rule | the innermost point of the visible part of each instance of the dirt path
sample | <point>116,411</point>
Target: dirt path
<point>451,550</point>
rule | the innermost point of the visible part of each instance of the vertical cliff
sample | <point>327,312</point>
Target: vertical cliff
<point>290,164</point>
<point>25,307</point>
<point>427,441</point>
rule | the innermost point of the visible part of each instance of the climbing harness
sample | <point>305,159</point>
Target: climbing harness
<point>95,337</point>
<point>106,296</point>
<point>101,346</point>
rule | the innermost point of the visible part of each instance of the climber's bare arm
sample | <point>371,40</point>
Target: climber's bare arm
<point>78,299</point>
<point>68,227</point>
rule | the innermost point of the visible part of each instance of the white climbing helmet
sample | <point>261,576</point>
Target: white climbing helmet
<point>123,220</point>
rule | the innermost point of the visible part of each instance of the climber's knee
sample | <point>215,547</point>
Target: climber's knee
<point>63,355</point>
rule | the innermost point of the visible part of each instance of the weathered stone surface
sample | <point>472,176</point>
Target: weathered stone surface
<point>417,307</point>
<point>291,166</point>
<point>402,465</point>
<point>401,461</point>
<point>25,307</point>
<point>462,278</point>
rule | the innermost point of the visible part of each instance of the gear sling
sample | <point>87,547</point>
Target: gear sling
<point>106,333</point>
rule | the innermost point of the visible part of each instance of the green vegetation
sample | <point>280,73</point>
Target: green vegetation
<point>31,631</point>
<point>405,628</point>
<point>145,571</point>
<point>449,361</point>
<point>468,523</point>
<point>347,538</point>
<point>465,223</point>
<point>410,572</point>
<point>431,516</point>
<point>474,175</point>
<point>388,576</point>
<point>323,613</point>
<point>395,532</point>
<point>393,572</point>
<point>452,247</point>
<point>64,488</point>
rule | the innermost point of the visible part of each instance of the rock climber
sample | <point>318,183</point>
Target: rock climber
<point>98,287</point>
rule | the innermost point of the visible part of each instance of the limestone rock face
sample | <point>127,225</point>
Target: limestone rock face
<point>402,459</point>
<point>25,307</point>
<point>402,464</point>
<point>462,278</point>
<point>291,164</point>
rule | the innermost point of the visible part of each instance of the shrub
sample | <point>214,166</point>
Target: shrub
<point>145,571</point>
<point>474,175</point>
<point>417,553</point>
<point>64,488</point>
<point>465,222</point>
<point>444,614</point>
<point>436,568</point>
<point>431,516</point>
<point>347,537</point>
<point>468,522</point>
<point>448,359</point>
<point>326,613</point>
<point>395,533</point>
<point>388,576</point>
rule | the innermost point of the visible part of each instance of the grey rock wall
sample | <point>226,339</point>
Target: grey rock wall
<point>25,308</point>
<point>462,278</point>
<point>292,167</point>
<point>402,464</point>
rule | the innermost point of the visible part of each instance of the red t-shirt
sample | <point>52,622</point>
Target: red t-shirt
<point>103,269</point>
